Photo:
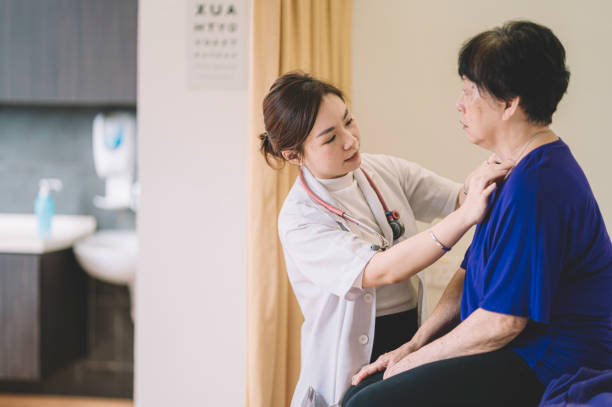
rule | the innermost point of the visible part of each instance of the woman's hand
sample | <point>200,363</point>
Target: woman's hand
<point>402,365</point>
<point>383,362</point>
<point>480,184</point>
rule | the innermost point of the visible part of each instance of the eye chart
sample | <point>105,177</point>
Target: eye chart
<point>217,49</point>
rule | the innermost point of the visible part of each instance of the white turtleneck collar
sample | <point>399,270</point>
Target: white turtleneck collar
<point>337,184</point>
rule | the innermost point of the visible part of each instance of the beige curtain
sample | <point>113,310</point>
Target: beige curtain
<point>314,36</point>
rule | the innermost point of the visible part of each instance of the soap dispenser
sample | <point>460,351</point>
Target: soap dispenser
<point>114,151</point>
<point>44,205</point>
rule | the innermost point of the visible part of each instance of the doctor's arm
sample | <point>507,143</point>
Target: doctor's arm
<point>407,258</point>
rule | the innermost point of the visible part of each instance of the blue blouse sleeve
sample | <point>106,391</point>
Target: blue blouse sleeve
<point>466,258</point>
<point>526,250</point>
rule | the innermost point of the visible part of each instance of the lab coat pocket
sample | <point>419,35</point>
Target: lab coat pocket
<point>313,399</point>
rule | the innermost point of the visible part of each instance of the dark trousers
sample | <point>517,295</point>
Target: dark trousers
<point>392,331</point>
<point>500,378</point>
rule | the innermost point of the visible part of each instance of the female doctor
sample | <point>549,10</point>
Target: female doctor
<point>349,234</point>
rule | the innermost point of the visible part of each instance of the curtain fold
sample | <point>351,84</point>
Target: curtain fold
<point>314,36</point>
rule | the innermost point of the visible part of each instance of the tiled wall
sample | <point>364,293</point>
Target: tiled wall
<point>45,142</point>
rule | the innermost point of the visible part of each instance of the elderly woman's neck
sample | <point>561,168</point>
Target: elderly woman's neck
<point>516,141</point>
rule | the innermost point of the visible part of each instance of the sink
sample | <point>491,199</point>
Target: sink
<point>19,233</point>
<point>111,256</point>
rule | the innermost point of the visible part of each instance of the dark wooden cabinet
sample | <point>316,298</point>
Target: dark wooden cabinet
<point>69,52</point>
<point>43,313</point>
<point>19,316</point>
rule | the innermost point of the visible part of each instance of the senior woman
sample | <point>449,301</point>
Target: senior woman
<point>531,299</point>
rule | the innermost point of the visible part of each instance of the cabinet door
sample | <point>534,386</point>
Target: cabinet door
<point>19,317</point>
<point>68,51</point>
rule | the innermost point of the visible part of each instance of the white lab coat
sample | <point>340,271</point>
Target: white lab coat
<point>326,256</point>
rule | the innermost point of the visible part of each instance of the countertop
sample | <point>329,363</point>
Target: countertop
<point>19,233</point>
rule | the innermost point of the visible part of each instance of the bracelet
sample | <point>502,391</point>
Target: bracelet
<point>465,191</point>
<point>435,239</point>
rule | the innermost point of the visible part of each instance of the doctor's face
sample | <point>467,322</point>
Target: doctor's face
<point>331,149</point>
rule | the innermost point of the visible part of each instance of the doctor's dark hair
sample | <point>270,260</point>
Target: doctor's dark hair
<point>290,109</point>
<point>522,59</point>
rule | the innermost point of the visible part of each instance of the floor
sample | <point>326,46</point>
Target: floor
<point>108,368</point>
<point>20,400</point>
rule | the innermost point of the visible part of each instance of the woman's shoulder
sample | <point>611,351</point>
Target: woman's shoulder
<point>543,179</point>
<point>299,210</point>
<point>549,169</point>
<point>296,202</point>
<point>381,159</point>
<point>387,163</point>
<point>546,160</point>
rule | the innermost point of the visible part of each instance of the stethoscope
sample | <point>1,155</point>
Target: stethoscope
<point>391,215</point>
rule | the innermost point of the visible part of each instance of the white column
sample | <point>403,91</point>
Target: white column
<point>190,289</point>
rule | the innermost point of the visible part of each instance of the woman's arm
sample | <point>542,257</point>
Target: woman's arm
<point>483,331</point>
<point>444,317</point>
<point>419,251</point>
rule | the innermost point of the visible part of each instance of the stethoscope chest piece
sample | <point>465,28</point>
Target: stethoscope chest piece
<point>393,216</point>
<point>397,228</point>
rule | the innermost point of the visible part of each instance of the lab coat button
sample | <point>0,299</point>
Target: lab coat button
<point>363,339</point>
<point>367,297</point>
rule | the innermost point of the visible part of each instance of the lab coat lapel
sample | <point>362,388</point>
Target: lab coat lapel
<point>319,190</point>
<point>374,203</point>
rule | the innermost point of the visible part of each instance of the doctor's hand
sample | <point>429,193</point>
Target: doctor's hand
<point>479,186</point>
<point>384,361</point>
<point>490,164</point>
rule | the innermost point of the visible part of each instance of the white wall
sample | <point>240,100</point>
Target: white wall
<point>405,81</point>
<point>190,296</point>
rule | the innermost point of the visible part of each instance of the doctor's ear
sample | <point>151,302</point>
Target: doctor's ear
<point>511,105</point>
<point>292,156</point>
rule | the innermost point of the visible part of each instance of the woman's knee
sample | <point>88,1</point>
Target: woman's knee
<point>350,393</point>
<point>353,390</point>
<point>359,398</point>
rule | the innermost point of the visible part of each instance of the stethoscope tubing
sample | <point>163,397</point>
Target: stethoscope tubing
<point>389,214</point>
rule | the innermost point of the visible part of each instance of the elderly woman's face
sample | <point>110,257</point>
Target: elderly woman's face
<point>481,114</point>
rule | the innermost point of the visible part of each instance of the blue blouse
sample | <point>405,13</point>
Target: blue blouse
<point>543,252</point>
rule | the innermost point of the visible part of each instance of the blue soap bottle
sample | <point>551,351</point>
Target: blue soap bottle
<point>44,205</point>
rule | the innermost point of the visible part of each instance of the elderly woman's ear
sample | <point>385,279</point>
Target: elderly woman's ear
<point>511,107</point>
